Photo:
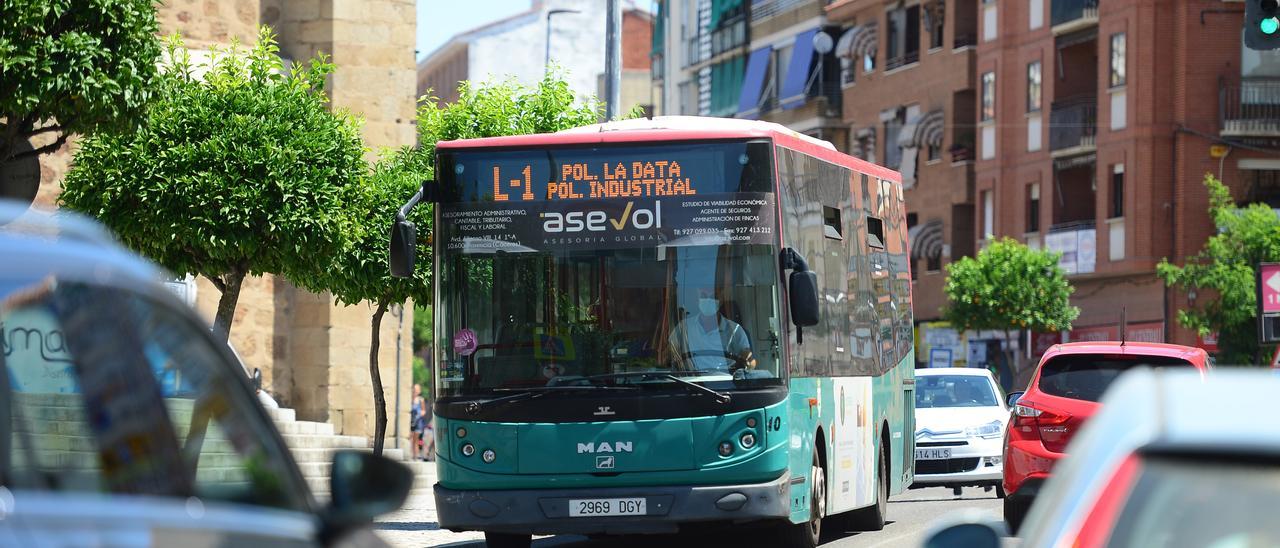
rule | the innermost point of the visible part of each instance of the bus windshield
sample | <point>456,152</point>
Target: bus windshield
<point>589,265</point>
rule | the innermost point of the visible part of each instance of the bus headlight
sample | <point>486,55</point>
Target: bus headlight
<point>488,455</point>
<point>468,450</point>
<point>726,448</point>
<point>747,440</point>
<point>462,432</point>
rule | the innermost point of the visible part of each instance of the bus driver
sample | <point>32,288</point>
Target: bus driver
<point>709,341</point>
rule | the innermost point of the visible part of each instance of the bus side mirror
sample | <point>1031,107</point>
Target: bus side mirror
<point>802,289</point>
<point>404,237</point>
<point>404,248</point>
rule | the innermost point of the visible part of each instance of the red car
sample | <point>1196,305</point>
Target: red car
<point>1062,395</point>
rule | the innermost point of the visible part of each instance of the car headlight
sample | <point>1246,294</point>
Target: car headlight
<point>989,430</point>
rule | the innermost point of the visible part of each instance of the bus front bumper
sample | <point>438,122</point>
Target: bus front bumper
<point>546,511</point>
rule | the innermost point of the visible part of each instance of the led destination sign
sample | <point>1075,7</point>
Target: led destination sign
<point>608,197</point>
<point>580,180</point>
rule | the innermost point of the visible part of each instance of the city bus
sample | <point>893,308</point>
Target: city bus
<point>654,325</point>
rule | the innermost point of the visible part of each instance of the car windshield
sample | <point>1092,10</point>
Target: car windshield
<point>1087,377</point>
<point>1202,503</point>
<point>954,391</point>
<point>561,264</point>
<point>104,390</point>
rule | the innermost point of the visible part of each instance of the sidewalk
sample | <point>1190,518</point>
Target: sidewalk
<point>414,524</point>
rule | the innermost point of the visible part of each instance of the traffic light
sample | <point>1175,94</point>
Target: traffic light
<point>1262,24</point>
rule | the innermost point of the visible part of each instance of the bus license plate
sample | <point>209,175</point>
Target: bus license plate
<point>606,507</point>
<point>933,453</point>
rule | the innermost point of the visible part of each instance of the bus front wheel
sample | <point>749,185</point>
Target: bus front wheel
<point>808,534</point>
<point>507,540</point>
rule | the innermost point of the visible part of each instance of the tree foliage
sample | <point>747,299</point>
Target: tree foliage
<point>239,172</point>
<point>69,66</point>
<point>1224,272</point>
<point>1009,286</point>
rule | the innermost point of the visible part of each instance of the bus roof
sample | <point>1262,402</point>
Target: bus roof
<point>679,128</point>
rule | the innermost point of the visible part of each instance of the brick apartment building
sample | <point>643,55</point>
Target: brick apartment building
<point>313,353</point>
<point>908,84</point>
<point>1096,120</point>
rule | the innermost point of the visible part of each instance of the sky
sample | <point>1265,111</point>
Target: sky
<point>439,20</point>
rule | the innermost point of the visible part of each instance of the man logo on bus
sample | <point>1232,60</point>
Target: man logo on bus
<point>599,221</point>
<point>604,447</point>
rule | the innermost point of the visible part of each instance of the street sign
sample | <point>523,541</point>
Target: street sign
<point>1269,303</point>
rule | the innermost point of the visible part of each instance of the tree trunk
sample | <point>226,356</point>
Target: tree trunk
<point>1013,355</point>
<point>227,304</point>
<point>379,401</point>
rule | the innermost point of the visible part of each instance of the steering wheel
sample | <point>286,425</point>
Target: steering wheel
<point>739,363</point>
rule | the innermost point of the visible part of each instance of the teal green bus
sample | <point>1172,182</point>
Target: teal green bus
<point>666,324</point>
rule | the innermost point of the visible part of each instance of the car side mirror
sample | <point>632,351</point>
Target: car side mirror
<point>404,248</point>
<point>364,486</point>
<point>967,534</point>
<point>1014,397</point>
<point>802,289</point>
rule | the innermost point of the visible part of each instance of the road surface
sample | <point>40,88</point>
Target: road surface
<point>910,517</point>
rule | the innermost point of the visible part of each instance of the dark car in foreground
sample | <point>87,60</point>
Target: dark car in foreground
<point>1063,394</point>
<point>1173,459</point>
<point>124,422</point>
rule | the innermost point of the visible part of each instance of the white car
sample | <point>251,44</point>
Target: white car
<point>960,422</point>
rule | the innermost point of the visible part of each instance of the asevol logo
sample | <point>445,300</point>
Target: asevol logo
<point>599,221</point>
<point>605,463</point>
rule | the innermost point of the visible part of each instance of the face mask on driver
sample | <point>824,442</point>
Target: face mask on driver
<point>708,307</point>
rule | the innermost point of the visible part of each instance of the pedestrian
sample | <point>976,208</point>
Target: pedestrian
<point>416,424</point>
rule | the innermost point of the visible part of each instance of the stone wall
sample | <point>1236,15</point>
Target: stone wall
<point>203,23</point>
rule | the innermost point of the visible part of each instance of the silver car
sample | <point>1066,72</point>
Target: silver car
<point>123,422</point>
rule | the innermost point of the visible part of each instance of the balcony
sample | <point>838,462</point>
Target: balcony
<point>1072,15</point>
<point>731,35</point>
<point>902,60</point>
<point>692,51</point>
<point>1250,108</point>
<point>822,100</point>
<point>1073,126</point>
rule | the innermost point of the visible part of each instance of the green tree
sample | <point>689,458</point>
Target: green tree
<point>241,172</point>
<point>1224,272</point>
<point>72,67</point>
<point>361,273</point>
<point>1009,287</point>
<point>489,110</point>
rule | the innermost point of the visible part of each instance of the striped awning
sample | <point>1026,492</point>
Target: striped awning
<point>926,240</point>
<point>858,41</point>
<point>923,130</point>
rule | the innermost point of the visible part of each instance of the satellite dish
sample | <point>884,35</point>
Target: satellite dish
<point>822,43</point>
<point>20,180</point>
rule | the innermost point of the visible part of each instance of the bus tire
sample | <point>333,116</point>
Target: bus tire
<point>507,540</point>
<point>808,534</point>
<point>872,518</point>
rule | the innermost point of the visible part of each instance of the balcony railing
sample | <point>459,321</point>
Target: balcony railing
<point>829,92</point>
<point>692,51</point>
<point>1067,12</point>
<point>966,39</point>
<point>765,9</point>
<point>902,60</point>
<point>732,34</point>
<point>1073,123</point>
<point>1250,108</point>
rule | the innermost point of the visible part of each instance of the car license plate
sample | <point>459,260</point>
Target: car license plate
<point>933,453</point>
<point>606,507</point>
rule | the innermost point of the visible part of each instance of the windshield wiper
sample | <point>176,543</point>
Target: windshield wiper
<point>721,397</point>
<point>475,406</point>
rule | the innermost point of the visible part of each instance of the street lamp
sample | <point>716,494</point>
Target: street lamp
<point>546,61</point>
